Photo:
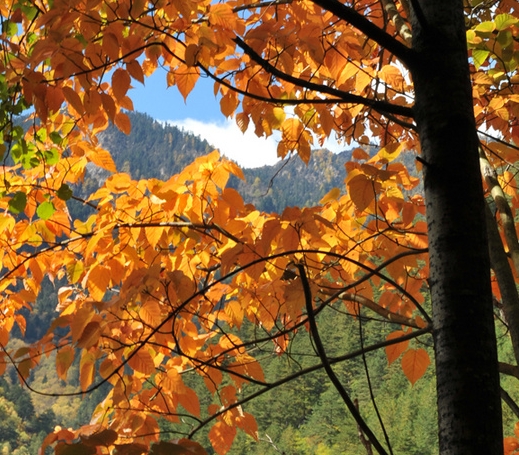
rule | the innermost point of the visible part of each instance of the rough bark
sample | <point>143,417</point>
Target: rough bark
<point>469,411</point>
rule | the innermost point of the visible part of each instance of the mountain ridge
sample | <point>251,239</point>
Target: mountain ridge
<point>157,150</point>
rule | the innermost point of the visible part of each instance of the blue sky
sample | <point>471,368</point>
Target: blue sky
<point>201,115</point>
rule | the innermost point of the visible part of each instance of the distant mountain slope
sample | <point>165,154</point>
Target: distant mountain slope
<point>157,150</point>
<point>152,149</point>
<point>292,182</point>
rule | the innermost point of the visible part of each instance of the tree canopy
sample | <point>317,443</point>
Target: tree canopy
<point>164,278</point>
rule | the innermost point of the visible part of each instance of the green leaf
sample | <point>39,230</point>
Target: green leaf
<point>30,12</point>
<point>45,210</point>
<point>486,27</point>
<point>479,56</point>
<point>9,28</point>
<point>51,156</point>
<point>64,192</point>
<point>505,20</point>
<point>55,137</point>
<point>505,38</point>
<point>18,202</point>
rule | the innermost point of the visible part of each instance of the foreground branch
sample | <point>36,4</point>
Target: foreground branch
<point>328,368</point>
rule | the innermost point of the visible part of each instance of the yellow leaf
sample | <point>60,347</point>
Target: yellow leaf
<point>191,55</point>
<point>102,158</point>
<point>74,271</point>
<point>189,400</point>
<point>242,120</point>
<point>415,363</point>
<point>118,183</point>
<point>229,103</point>
<point>185,79</point>
<point>134,68</point>
<point>90,335</point>
<point>332,195</point>
<point>392,76</point>
<point>150,313</point>
<point>292,129</point>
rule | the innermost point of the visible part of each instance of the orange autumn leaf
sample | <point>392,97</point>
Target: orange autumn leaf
<point>120,83</point>
<point>122,121</point>
<point>86,370</point>
<point>64,358</point>
<point>394,351</point>
<point>142,362</point>
<point>102,158</point>
<point>222,436</point>
<point>415,363</point>
<point>362,191</point>
<point>186,78</point>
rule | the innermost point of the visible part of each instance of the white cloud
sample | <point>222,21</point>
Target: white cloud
<point>248,150</point>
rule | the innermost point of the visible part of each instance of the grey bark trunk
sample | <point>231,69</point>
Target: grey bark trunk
<point>469,411</point>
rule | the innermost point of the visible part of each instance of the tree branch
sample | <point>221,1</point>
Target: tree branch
<point>398,21</point>
<point>380,106</point>
<point>510,402</point>
<point>505,212</point>
<point>385,313</point>
<point>348,14</point>
<point>505,280</point>
<point>328,368</point>
<point>286,379</point>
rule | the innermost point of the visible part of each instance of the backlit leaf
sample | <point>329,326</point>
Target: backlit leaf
<point>103,159</point>
<point>122,121</point>
<point>504,21</point>
<point>98,280</point>
<point>64,359</point>
<point>221,437</point>
<point>142,361</point>
<point>415,363</point>
<point>394,351</point>
<point>362,190</point>
<point>186,79</point>
<point>221,14</point>
<point>332,195</point>
<point>45,210</point>
<point>86,370</point>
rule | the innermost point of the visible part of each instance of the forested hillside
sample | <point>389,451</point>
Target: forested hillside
<point>156,150</point>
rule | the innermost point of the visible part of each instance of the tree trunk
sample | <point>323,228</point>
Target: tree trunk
<point>469,410</point>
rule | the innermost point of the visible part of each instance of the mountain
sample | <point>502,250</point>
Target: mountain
<point>154,149</point>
